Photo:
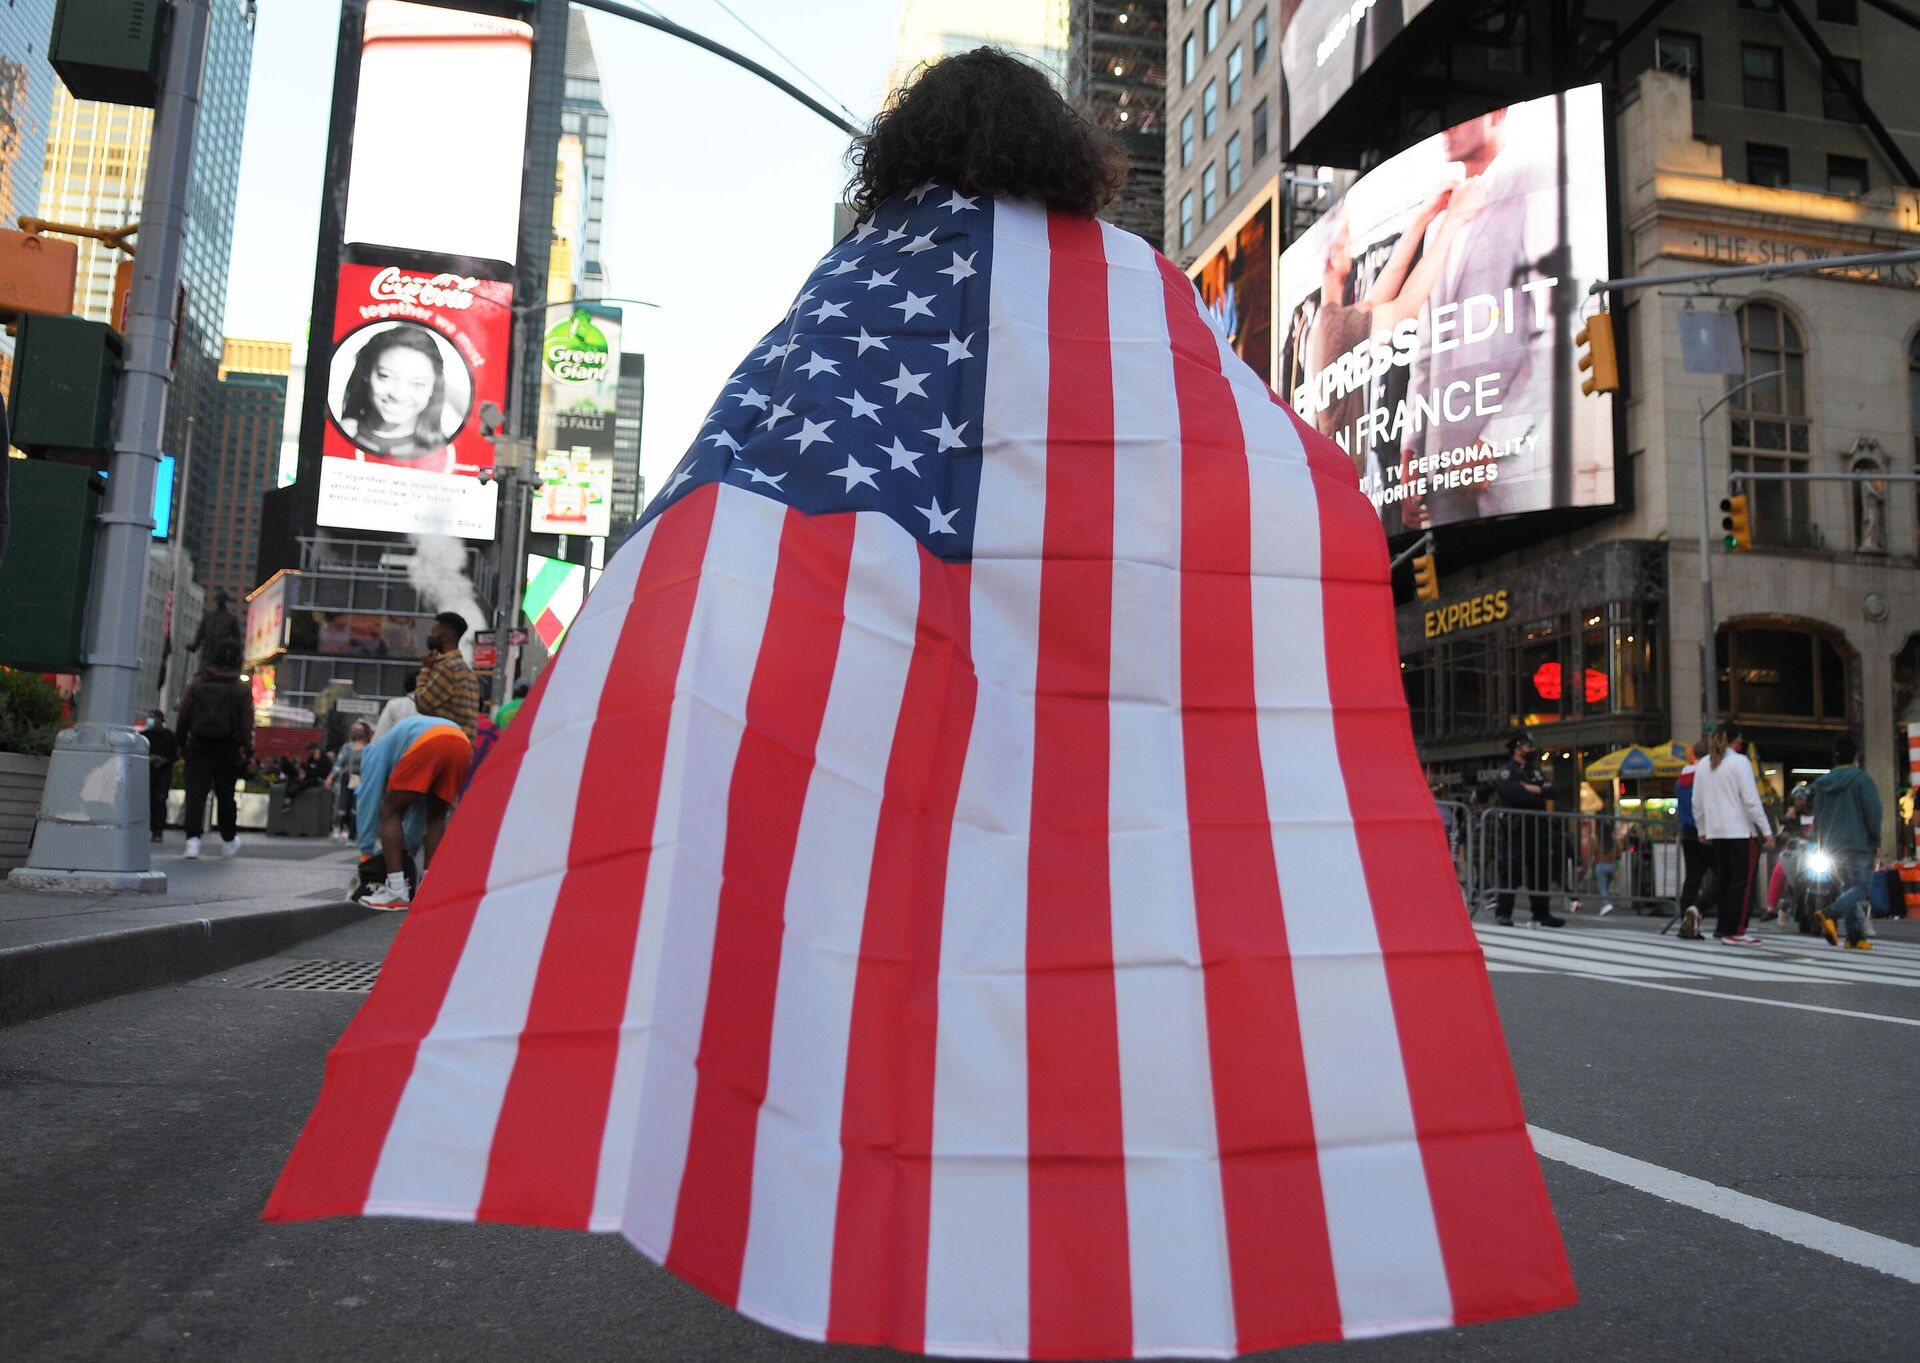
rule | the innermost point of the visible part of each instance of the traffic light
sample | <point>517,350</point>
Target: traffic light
<point>1598,359</point>
<point>1733,520</point>
<point>1426,578</point>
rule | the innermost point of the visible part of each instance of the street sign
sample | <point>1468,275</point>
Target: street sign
<point>357,705</point>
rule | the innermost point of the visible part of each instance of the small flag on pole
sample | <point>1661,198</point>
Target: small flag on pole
<point>556,590</point>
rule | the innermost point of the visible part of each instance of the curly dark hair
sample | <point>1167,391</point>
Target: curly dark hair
<point>986,123</point>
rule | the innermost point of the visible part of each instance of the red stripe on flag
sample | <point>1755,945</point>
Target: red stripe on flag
<point>1282,1261</point>
<point>786,702</point>
<point>886,1130</point>
<point>545,1159</point>
<point>1077,1189</point>
<point>1497,1233</point>
<point>331,1169</point>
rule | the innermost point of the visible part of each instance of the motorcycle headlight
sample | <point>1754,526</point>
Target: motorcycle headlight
<point>1819,861</point>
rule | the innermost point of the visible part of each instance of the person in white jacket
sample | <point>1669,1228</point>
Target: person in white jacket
<point>1734,826</point>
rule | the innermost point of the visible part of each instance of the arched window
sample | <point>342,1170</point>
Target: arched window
<point>1769,431</point>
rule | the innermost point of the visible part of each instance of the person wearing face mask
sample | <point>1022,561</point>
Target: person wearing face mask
<point>394,405</point>
<point>1521,784</point>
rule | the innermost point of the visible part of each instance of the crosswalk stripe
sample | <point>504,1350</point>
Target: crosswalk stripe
<point>1610,952</point>
<point>1586,964</point>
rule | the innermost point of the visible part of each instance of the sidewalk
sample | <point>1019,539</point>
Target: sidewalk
<point>58,951</point>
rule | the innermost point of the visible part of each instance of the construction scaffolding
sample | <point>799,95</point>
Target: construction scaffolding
<point>1117,78</point>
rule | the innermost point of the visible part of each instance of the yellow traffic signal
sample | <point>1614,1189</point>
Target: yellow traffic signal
<point>1598,359</point>
<point>1733,520</point>
<point>1426,578</point>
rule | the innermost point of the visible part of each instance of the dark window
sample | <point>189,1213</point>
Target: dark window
<point>1186,137</point>
<point>1259,40</point>
<point>1209,191</point>
<point>1835,102</point>
<point>1233,163</point>
<point>1234,63</point>
<point>1763,84</point>
<point>1913,392</point>
<point>1213,25</point>
<point>1839,11</point>
<point>1847,175</point>
<point>1766,165</point>
<point>1595,34</point>
<point>1186,61</point>
<point>1681,52</point>
<point>1509,53</point>
<point>1782,673</point>
<point>1764,6</point>
<point>1259,130</point>
<point>1209,109</point>
<point>1186,217</point>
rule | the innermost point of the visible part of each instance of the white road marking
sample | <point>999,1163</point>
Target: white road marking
<point>1748,998</point>
<point>1847,1243</point>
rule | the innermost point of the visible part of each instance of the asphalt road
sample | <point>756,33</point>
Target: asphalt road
<point>141,1135</point>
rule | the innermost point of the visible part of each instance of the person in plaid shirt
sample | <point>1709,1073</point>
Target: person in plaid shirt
<point>447,688</point>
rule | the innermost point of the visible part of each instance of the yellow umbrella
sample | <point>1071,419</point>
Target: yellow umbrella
<point>1634,762</point>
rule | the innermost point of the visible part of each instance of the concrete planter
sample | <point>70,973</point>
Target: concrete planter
<point>21,781</point>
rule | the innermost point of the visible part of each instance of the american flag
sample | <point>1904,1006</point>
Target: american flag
<point>967,883</point>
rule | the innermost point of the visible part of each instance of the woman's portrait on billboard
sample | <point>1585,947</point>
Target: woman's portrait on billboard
<point>400,392</point>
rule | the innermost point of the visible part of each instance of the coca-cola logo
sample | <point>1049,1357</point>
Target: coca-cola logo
<point>451,292</point>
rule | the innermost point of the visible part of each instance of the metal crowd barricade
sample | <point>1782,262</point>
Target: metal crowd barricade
<point>1462,842</point>
<point>1629,861</point>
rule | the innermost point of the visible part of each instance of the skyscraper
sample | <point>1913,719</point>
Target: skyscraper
<point>629,488</point>
<point>1117,77</point>
<point>27,83</point>
<point>234,467</point>
<point>582,115</point>
<point>96,174</point>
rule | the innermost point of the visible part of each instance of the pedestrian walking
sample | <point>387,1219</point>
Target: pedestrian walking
<point>1695,860</point>
<point>345,779</point>
<point>1734,826</point>
<point>400,707</point>
<point>163,751</point>
<point>447,688</point>
<point>1846,810</point>
<point>409,781</point>
<point>1525,847</point>
<point>216,734</point>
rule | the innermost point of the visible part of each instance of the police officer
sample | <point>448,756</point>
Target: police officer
<point>1521,785</point>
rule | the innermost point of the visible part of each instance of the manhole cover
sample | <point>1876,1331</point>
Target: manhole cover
<point>337,977</point>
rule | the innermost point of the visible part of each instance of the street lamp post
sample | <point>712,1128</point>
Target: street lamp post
<point>1709,650</point>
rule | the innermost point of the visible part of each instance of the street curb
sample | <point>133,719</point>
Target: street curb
<point>49,976</point>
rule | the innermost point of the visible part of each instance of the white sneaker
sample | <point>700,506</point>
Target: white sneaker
<point>230,848</point>
<point>386,897</point>
<point>1606,908</point>
<point>192,852</point>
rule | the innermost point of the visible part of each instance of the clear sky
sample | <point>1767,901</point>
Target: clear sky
<point>720,196</point>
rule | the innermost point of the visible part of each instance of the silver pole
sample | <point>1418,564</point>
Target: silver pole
<point>1709,652</point>
<point>91,834</point>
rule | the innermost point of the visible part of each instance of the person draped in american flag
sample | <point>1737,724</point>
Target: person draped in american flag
<point>967,882</point>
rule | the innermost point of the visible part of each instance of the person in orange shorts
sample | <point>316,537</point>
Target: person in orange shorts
<point>410,778</point>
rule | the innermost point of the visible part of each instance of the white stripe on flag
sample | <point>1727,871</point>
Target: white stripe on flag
<point>977,1279</point>
<point>435,1156</point>
<point>651,1114</point>
<point>1176,1217</point>
<point>1380,1222</point>
<point>788,1269</point>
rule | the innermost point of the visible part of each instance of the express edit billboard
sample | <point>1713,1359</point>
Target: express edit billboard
<point>422,326</point>
<point>1235,280</point>
<point>1427,319</point>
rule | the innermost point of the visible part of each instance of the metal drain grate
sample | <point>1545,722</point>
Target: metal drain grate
<point>336,977</point>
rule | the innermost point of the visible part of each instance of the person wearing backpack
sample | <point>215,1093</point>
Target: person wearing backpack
<point>216,735</point>
<point>1846,811</point>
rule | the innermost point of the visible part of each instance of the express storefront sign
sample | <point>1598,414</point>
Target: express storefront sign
<point>1489,608</point>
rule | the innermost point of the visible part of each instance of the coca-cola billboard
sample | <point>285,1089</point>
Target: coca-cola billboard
<point>417,350</point>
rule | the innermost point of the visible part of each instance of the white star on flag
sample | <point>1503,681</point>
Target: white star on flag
<point>922,192</point>
<point>855,473</point>
<point>860,407</point>
<point>779,352</point>
<point>780,409</point>
<point>938,522</point>
<point>877,279</point>
<point>913,305</point>
<point>893,234</point>
<point>753,397</point>
<point>924,242</point>
<point>904,458</point>
<point>958,202</point>
<point>949,435</point>
<point>863,231</point>
<point>866,342</point>
<point>826,310</point>
<point>844,267</point>
<point>770,479</point>
<point>956,349</point>
<point>799,302</point>
<point>904,384</point>
<point>961,269</point>
<point>683,476</point>
<point>724,440</point>
<point>814,367</point>
<point>812,433</point>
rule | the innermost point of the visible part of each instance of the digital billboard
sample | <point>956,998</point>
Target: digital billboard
<point>1324,47</point>
<point>579,399</point>
<point>415,354</point>
<point>1427,319</point>
<point>1235,279</point>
